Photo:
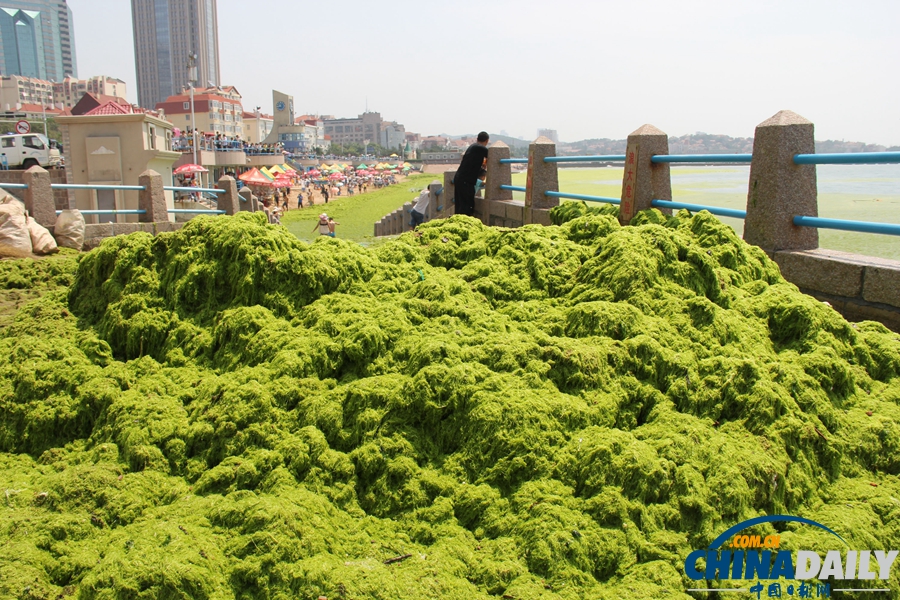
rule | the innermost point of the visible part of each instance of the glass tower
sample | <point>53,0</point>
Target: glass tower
<point>37,39</point>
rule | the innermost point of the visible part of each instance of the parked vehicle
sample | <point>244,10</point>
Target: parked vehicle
<point>25,150</point>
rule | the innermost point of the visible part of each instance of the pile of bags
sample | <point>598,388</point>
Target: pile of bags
<point>21,235</point>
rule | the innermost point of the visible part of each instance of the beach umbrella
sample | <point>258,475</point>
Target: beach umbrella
<point>313,172</point>
<point>361,167</point>
<point>335,176</point>
<point>190,169</point>
<point>254,177</point>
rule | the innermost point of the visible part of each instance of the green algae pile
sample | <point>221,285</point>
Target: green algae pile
<point>464,412</point>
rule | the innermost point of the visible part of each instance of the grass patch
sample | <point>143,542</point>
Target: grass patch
<point>357,214</point>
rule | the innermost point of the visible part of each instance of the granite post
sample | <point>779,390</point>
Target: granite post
<point>434,189</point>
<point>498,173</point>
<point>779,189</point>
<point>39,201</point>
<point>152,198</point>
<point>246,199</point>
<point>448,200</point>
<point>643,181</point>
<point>542,177</point>
<point>230,202</point>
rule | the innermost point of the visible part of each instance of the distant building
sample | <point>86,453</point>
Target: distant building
<point>37,39</point>
<point>114,144</point>
<point>256,129</point>
<point>17,89</point>
<point>216,110</point>
<point>367,126</point>
<point>166,33</point>
<point>393,136</point>
<point>550,134</point>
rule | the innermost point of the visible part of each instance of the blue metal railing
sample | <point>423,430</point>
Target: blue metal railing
<point>845,225</point>
<point>701,158</point>
<point>14,186</point>
<point>513,188</point>
<point>600,158</point>
<point>716,210</point>
<point>513,161</point>
<point>196,211</point>
<point>584,197</point>
<point>171,188</point>
<point>848,158</point>
<point>127,211</point>
<point>91,186</point>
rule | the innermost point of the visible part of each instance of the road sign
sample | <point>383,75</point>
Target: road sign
<point>23,127</point>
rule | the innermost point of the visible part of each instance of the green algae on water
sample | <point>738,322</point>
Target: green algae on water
<point>463,412</point>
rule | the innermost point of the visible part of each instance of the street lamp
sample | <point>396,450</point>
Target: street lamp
<point>258,134</point>
<point>192,79</point>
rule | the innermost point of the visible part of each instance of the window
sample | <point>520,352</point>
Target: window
<point>32,141</point>
<point>187,117</point>
<point>214,116</point>
<point>152,136</point>
<point>8,142</point>
<point>227,106</point>
<point>228,116</point>
<point>186,105</point>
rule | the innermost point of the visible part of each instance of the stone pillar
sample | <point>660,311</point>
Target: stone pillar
<point>498,173</point>
<point>779,189</point>
<point>152,198</point>
<point>377,228</point>
<point>39,201</point>
<point>434,189</point>
<point>644,181</point>
<point>246,199</point>
<point>405,217</point>
<point>447,200</point>
<point>230,202</point>
<point>542,177</point>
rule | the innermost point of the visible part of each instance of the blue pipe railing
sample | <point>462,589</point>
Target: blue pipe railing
<point>601,158</point>
<point>848,158</point>
<point>701,158</point>
<point>14,186</point>
<point>844,225</point>
<point>127,211</point>
<point>196,211</point>
<point>92,186</point>
<point>193,189</point>
<point>513,161</point>
<point>513,188</point>
<point>716,210</point>
<point>584,197</point>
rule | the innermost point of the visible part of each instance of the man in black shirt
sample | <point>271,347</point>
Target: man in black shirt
<point>467,173</point>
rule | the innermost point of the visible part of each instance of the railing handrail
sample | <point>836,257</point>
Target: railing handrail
<point>513,161</point>
<point>848,158</point>
<point>192,189</point>
<point>513,188</point>
<point>195,211</point>
<point>598,158</point>
<point>701,158</point>
<point>716,210</point>
<point>92,186</point>
<point>584,197</point>
<point>845,225</point>
<point>14,186</point>
<point>124,211</point>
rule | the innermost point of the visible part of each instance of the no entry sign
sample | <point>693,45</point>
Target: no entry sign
<point>23,127</point>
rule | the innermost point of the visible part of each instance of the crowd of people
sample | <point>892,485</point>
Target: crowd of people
<point>223,143</point>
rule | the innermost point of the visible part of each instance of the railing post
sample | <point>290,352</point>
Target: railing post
<point>246,199</point>
<point>542,177</point>
<point>643,180</point>
<point>497,173</point>
<point>433,198</point>
<point>230,202</point>
<point>39,201</point>
<point>152,198</point>
<point>449,194</point>
<point>779,189</point>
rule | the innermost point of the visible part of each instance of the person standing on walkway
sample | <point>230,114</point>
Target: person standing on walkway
<point>467,174</point>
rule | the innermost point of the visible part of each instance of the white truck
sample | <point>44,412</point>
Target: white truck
<point>24,150</point>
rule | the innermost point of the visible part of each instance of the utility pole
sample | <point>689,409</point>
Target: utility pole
<point>192,79</point>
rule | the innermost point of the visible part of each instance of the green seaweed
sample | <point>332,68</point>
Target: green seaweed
<point>463,412</point>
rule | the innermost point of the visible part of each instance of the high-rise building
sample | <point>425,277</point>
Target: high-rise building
<point>550,134</point>
<point>167,33</point>
<point>37,39</point>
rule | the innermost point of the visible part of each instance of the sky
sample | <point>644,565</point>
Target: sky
<point>587,68</point>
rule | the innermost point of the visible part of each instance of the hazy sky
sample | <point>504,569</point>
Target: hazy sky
<point>593,68</point>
